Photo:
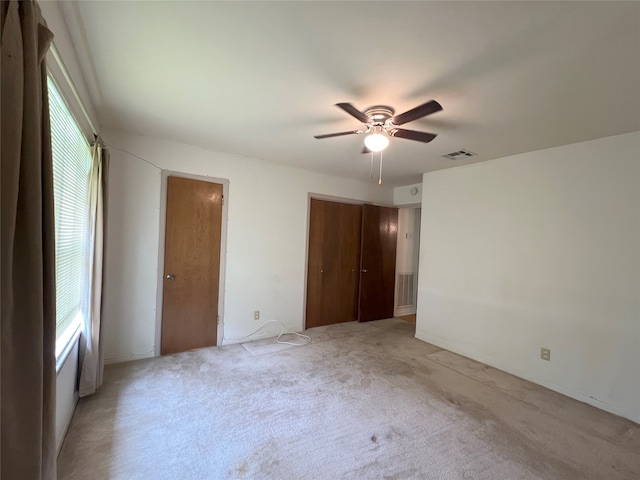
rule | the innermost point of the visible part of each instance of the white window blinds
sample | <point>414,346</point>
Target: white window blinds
<point>71,164</point>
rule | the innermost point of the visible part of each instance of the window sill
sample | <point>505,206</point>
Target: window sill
<point>67,342</point>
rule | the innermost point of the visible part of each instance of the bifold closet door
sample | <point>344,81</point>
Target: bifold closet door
<point>378,262</point>
<point>333,263</point>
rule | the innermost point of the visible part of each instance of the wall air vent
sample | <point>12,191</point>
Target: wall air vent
<point>459,154</point>
<point>406,289</point>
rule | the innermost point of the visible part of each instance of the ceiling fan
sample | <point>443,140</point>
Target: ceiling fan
<point>380,123</point>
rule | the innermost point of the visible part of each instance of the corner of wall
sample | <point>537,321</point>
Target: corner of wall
<point>408,195</point>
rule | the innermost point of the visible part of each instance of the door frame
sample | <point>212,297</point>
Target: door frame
<point>397,311</point>
<point>161,245</point>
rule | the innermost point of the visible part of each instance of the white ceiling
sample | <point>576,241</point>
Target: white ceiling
<point>259,79</point>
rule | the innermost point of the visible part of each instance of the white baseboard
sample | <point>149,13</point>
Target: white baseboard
<point>400,311</point>
<point>255,336</point>
<point>129,358</point>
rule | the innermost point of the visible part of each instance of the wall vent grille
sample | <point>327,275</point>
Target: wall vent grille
<point>459,154</point>
<point>406,289</point>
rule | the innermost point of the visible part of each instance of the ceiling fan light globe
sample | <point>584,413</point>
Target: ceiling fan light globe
<point>376,142</point>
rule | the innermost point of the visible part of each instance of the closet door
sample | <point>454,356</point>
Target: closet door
<point>349,260</point>
<point>378,262</point>
<point>333,263</point>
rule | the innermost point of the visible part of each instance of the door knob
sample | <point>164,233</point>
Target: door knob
<point>170,276</point>
<point>364,270</point>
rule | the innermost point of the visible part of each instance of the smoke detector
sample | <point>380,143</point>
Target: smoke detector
<point>459,154</point>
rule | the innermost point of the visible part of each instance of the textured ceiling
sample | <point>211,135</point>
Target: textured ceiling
<point>260,78</point>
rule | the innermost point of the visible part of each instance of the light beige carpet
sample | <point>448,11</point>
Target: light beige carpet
<point>363,401</point>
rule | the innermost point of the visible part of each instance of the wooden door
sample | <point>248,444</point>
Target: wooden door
<point>333,263</point>
<point>191,265</point>
<point>378,262</point>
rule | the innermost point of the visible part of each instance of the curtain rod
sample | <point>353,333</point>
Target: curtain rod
<point>67,77</point>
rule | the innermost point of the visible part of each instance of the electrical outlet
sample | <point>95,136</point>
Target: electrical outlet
<point>545,354</point>
<point>256,315</point>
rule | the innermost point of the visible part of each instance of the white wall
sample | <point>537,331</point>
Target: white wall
<point>540,249</point>
<point>266,239</point>
<point>408,250</point>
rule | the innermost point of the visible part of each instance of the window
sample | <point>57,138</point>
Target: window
<point>71,165</point>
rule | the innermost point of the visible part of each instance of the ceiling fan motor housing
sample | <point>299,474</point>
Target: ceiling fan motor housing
<point>379,113</point>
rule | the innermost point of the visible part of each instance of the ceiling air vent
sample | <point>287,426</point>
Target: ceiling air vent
<point>459,154</point>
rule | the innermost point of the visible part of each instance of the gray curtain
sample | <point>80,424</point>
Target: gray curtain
<point>92,360</point>
<point>28,259</point>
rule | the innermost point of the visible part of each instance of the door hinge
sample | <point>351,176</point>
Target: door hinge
<point>218,320</point>
<point>222,199</point>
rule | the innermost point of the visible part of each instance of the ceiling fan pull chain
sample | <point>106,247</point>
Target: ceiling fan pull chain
<point>380,178</point>
<point>371,169</point>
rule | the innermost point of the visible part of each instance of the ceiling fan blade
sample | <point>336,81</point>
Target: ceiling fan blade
<point>415,113</point>
<point>354,112</point>
<point>412,135</point>
<point>339,134</point>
